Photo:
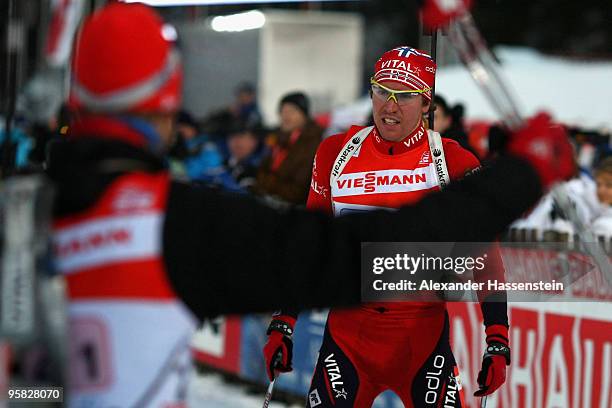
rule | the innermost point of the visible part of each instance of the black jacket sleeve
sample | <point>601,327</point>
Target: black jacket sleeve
<point>229,254</point>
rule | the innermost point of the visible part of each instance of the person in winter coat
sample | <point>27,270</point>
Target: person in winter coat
<point>285,173</point>
<point>245,153</point>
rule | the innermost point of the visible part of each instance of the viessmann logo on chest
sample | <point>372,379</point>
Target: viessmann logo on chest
<point>384,181</point>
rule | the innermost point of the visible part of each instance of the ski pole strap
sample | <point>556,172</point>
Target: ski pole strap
<point>437,153</point>
<point>347,151</point>
<point>281,327</point>
<point>498,349</point>
<point>345,155</point>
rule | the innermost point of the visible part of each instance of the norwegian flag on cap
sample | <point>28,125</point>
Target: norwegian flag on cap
<point>408,66</point>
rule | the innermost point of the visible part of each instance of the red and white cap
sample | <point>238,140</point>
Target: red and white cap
<point>125,61</point>
<point>408,66</point>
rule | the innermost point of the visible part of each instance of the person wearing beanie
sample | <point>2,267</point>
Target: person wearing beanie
<point>370,168</point>
<point>144,257</point>
<point>196,157</point>
<point>299,101</point>
<point>285,174</point>
<point>245,147</point>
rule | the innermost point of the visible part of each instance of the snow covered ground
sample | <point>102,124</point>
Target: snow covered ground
<point>212,391</point>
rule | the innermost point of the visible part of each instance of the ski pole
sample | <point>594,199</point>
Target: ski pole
<point>270,389</point>
<point>483,402</point>
<point>268,396</point>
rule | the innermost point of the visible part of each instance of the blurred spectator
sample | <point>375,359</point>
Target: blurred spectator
<point>603,178</point>
<point>245,108</point>
<point>40,103</point>
<point>285,173</point>
<point>448,121</point>
<point>42,133</point>
<point>592,146</point>
<point>217,124</point>
<point>582,191</point>
<point>245,153</point>
<point>202,160</point>
<point>497,139</point>
<point>186,130</point>
<point>547,216</point>
<point>19,144</point>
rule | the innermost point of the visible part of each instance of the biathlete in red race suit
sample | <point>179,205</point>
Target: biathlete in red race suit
<point>391,346</point>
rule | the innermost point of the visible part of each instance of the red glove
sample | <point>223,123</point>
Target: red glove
<point>438,13</point>
<point>278,351</point>
<point>496,357</point>
<point>546,147</point>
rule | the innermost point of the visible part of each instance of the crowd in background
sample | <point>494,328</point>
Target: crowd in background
<point>590,190</point>
<point>232,149</point>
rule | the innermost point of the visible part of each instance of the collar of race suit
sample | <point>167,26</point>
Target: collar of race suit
<point>128,129</point>
<point>102,145</point>
<point>415,139</point>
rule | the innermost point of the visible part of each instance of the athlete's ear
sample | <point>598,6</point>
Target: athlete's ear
<point>426,103</point>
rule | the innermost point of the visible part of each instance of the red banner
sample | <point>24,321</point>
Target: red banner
<point>558,360</point>
<point>217,344</point>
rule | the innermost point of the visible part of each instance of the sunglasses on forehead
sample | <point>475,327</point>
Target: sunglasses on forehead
<point>400,97</point>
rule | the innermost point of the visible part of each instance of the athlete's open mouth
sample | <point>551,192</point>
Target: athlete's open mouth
<point>391,121</point>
